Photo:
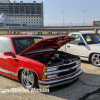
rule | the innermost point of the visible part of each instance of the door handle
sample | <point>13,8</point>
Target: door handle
<point>68,46</point>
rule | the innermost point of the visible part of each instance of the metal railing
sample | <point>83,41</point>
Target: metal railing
<point>66,24</point>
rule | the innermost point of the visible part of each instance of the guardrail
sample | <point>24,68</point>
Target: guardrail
<point>67,24</point>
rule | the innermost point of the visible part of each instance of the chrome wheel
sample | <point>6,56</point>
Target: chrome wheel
<point>27,78</point>
<point>95,59</point>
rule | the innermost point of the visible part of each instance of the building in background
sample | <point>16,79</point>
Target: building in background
<point>29,13</point>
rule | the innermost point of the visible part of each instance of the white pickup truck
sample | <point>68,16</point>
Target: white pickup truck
<point>86,46</point>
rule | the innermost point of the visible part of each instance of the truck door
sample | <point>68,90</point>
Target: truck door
<point>77,46</point>
<point>7,63</point>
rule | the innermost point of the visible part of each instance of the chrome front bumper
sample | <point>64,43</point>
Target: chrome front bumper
<point>57,82</point>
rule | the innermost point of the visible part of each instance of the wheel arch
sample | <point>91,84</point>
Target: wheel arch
<point>20,71</point>
<point>90,55</point>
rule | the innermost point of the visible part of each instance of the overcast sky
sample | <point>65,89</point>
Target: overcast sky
<point>73,10</point>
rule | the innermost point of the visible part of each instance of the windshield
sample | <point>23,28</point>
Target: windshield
<point>21,44</point>
<point>91,38</point>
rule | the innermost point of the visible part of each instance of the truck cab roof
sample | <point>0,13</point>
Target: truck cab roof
<point>81,33</point>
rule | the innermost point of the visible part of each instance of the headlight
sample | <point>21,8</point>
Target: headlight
<point>52,76</point>
<point>78,62</point>
<point>49,69</point>
<point>49,76</point>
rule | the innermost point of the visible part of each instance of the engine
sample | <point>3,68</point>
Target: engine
<point>55,59</point>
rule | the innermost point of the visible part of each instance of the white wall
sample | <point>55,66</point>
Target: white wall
<point>4,1</point>
<point>31,21</point>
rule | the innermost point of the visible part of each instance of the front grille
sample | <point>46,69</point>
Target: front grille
<point>67,66</point>
<point>67,72</point>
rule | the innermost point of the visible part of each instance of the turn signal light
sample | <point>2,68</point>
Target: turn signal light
<point>44,76</point>
<point>44,70</point>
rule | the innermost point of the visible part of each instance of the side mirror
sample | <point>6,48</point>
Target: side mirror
<point>9,54</point>
<point>81,44</point>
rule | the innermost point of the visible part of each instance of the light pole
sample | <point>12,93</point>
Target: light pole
<point>63,17</point>
<point>43,20</point>
<point>84,16</point>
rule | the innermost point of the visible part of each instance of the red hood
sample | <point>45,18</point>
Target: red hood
<point>55,42</point>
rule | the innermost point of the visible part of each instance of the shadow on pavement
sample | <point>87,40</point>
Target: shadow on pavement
<point>81,89</point>
<point>57,88</point>
<point>87,62</point>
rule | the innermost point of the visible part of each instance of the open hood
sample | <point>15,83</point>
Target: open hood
<point>55,43</point>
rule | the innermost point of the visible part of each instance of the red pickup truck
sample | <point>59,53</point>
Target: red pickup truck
<point>37,62</point>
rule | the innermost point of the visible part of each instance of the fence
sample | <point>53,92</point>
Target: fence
<point>66,24</point>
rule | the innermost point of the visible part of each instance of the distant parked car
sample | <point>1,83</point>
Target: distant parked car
<point>37,62</point>
<point>86,46</point>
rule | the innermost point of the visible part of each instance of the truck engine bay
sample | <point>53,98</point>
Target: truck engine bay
<point>55,59</point>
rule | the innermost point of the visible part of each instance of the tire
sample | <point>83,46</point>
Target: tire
<point>29,79</point>
<point>95,59</point>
